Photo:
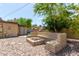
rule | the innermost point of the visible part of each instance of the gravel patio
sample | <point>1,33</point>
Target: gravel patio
<point>18,46</point>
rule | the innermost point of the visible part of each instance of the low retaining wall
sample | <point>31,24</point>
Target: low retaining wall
<point>73,40</point>
<point>71,33</point>
<point>73,43</point>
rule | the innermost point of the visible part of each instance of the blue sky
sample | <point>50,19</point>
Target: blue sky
<point>26,12</point>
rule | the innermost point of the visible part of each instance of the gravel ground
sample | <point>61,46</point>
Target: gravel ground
<point>72,49</point>
<point>18,46</point>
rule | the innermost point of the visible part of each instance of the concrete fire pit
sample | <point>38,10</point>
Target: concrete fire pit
<point>35,41</point>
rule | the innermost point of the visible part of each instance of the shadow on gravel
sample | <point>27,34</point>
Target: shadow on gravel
<point>70,49</point>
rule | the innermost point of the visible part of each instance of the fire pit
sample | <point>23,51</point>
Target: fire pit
<point>35,41</point>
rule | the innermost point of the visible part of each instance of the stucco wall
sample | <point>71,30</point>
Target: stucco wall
<point>10,29</point>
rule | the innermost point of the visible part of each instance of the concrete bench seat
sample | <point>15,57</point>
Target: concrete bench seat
<point>55,46</point>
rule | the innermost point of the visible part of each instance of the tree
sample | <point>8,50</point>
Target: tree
<point>56,16</point>
<point>21,21</point>
<point>24,22</point>
<point>29,23</point>
<point>34,26</point>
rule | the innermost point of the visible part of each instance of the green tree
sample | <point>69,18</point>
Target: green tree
<point>34,26</point>
<point>21,21</point>
<point>56,16</point>
<point>29,23</point>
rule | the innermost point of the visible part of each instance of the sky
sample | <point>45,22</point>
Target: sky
<point>26,12</point>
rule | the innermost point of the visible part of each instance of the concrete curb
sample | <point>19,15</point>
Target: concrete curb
<point>73,40</point>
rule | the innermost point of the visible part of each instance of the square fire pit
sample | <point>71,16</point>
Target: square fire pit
<point>35,40</point>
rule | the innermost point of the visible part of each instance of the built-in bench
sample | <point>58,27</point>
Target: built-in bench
<point>58,44</point>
